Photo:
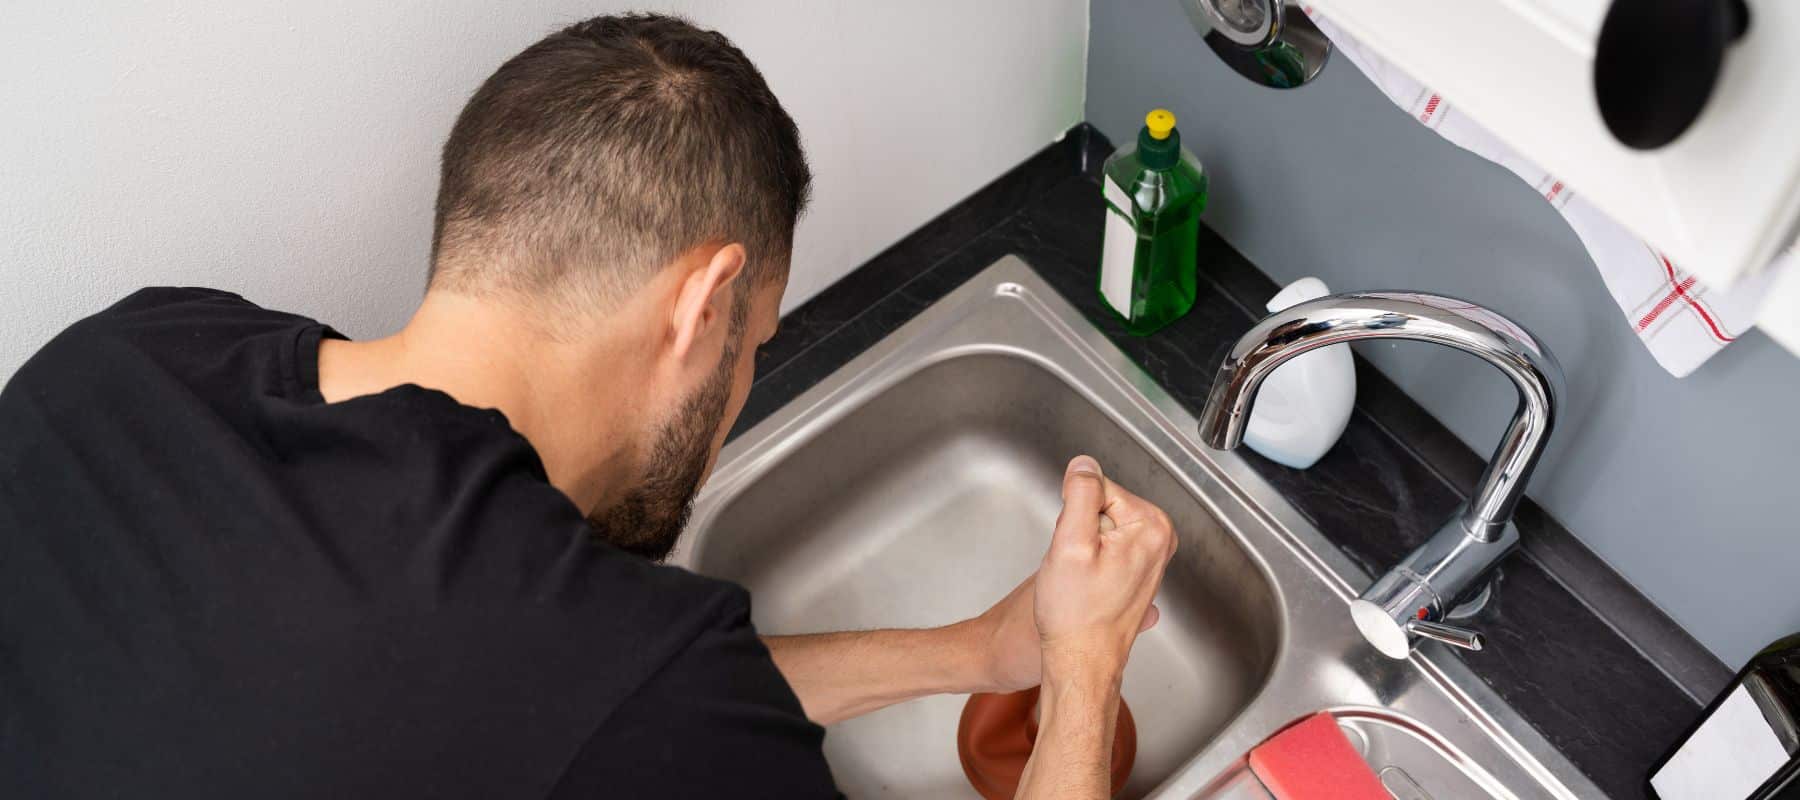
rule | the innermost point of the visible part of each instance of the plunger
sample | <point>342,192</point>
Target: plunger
<point>996,734</point>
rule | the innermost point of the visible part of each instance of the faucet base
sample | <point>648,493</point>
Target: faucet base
<point>1448,568</point>
<point>1475,602</point>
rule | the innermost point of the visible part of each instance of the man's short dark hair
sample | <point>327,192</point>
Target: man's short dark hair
<point>603,152</point>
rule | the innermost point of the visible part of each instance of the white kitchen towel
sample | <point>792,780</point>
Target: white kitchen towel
<point>1679,319</point>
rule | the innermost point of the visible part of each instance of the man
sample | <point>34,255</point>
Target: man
<point>241,556</point>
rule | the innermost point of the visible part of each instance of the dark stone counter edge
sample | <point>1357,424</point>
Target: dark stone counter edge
<point>1580,628</point>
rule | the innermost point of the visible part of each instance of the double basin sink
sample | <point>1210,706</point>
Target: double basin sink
<point>918,484</point>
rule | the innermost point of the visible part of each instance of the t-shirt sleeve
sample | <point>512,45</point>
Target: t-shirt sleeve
<point>718,721</point>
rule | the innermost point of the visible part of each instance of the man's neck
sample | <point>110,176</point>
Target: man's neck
<point>487,355</point>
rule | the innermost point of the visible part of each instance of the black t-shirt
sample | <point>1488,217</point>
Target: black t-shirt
<point>215,584</point>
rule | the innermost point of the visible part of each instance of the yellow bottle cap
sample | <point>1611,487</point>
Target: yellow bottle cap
<point>1160,122</point>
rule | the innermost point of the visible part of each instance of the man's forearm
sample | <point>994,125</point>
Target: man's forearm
<point>842,675</point>
<point>1072,759</point>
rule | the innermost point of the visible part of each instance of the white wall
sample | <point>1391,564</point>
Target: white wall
<point>287,151</point>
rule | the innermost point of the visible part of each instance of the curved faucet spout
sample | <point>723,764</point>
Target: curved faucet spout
<point>1410,601</point>
<point>1403,315</point>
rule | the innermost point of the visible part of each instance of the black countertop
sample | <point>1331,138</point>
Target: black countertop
<point>1591,664</point>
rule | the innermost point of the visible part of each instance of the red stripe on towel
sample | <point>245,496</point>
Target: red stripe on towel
<point>1430,108</point>
<point>1694,303</point>
<point>1661,306</point>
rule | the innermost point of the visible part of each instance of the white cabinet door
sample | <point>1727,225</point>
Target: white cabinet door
<point>1721,200</point>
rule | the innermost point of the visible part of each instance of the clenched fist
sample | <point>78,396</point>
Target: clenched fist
<point>1105,561</point>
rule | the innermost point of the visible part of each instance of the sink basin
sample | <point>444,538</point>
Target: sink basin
<point>931,501</point>
<point>919,484</point>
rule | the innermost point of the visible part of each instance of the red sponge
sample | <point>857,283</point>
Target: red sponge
<point>1311,760</point>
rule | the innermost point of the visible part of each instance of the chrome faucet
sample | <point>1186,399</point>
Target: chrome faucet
<point>1413,598</point>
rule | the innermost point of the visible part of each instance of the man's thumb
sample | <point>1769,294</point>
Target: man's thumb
<point>1084,494</point>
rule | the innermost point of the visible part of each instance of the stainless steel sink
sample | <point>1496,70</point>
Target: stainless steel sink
<point>918,484</point>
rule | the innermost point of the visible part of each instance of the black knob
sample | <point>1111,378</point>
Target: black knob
<point>1656,63</point>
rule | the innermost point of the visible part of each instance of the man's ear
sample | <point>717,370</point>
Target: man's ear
<point>705,297</point>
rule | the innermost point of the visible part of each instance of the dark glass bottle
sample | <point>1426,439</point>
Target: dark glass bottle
<point>1746,745</point>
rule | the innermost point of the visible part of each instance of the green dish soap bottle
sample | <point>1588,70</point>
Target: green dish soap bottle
<point>1154,194</point>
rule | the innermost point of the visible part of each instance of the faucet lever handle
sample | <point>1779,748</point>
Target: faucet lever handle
<point>1448,634</point>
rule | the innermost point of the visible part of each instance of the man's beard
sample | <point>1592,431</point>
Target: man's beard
<point>653,513</point>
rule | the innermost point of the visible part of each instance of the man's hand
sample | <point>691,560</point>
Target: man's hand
<point>1097,576</point>
<point>1105,562</point>
<point>1008,635</point>
<point>1091,598</point>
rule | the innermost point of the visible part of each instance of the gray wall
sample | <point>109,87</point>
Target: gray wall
<point>1685,486</point>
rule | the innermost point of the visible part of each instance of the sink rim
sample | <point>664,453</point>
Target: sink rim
<point>1307,575</point>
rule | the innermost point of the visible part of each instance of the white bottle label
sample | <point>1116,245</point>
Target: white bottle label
<point>1118,255</point>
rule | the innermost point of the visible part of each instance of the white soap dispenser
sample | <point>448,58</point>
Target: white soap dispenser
<point>1302,407</point>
